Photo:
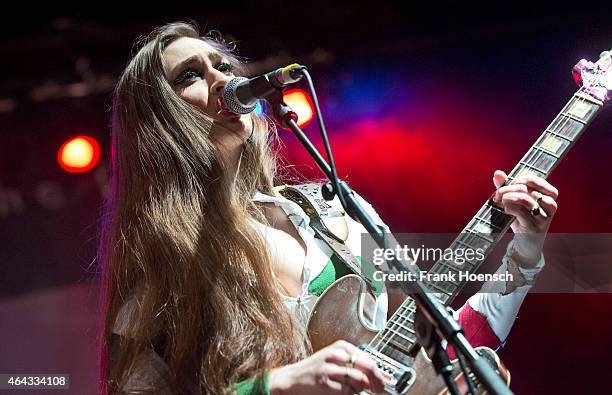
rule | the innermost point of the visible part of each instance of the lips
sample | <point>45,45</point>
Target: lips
<point>224,112</point>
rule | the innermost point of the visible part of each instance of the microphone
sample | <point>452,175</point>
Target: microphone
<point>240,94</point>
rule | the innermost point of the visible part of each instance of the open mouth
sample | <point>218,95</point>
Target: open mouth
<point>224,112</point>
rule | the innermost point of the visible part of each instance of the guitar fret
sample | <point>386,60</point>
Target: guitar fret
<point>582,109</point>
<point>465,244</point>
<point>495,208</point>
<point>467,238</point>
<point>545,162</point>
<point>403,345</point>
<point>479,235</point>
<point>559,135</point>
<point>575,118</point>
<point>400,318</point>
<point>409,307</point>
<point>533,167</point>
<point>433,285</point>
<point>397,348</point>
<point>401,335</point>
<point>589,98</point>
<point>524,170</point>
<point>498,218</point>
<point>451,285</point>
<point>567,127</point>
<point>488,222</point>
<point>443,269</point>
<point>544,150</point>
<point>480,226</point>
<point>446,282</point>
<point>546,143</point>
<point>390,350</point>
<point>446,264</point>
<point>404,327</point>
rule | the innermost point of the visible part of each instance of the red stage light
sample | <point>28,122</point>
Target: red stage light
<point>301,103</point>
<point>79,154</point>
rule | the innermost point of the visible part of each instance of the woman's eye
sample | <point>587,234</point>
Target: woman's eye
<point>187,75</point>
<point>225,67</point>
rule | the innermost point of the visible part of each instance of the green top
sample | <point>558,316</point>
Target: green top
<point>334,269</point>
<point>254,386</point>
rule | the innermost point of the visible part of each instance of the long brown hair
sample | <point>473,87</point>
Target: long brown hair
<point>177,226</point>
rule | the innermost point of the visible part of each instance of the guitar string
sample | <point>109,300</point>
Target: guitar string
<point>386,334</point>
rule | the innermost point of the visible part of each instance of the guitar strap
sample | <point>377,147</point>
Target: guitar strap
<point>328,222</point>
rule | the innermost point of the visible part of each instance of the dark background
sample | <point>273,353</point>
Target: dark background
<point>422,104</point>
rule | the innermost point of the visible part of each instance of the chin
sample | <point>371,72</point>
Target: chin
<point>241,127</point>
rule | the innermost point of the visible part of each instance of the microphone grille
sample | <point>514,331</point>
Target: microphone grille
<point>230,99</point>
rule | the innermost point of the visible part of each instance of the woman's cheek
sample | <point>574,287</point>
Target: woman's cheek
<point>196,95</point>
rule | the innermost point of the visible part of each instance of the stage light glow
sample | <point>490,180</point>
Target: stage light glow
<point>79,154</point>
<point>259,109</point>
<point>301,103</point>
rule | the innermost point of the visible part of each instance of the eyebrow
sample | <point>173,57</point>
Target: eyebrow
<point>213,56</point>
<point>181,65</point>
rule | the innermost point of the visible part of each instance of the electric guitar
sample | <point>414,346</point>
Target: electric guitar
<point>394,348</point>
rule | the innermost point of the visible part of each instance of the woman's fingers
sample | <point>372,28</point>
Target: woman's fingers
<point>533,182</point>
<point>499,177</point>
<point>344,354</point>
<point>522,199</point>
<point>539,184</point>
<point>523,215</point>
<point>521,205</point>
<point>372,377</point>
<point>343,379</point>
<point>526,195</point>
<point>548,204</point>
<point>532,200</point>
<point>497,197</point>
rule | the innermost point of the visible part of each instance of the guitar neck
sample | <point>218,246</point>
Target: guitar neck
<point>490,223</point>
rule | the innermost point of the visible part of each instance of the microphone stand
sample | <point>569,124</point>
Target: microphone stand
<point>434,313</point>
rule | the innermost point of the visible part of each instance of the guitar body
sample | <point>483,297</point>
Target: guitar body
<point>339,314</point>
<point>342,313</point>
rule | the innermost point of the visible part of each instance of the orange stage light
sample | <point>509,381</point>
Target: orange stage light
<point>301,103</point>
<point>79,154</point>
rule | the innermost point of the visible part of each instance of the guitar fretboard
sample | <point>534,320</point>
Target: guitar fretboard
<point>489,225</point>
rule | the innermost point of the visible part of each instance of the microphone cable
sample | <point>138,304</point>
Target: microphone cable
<point>334,175</point>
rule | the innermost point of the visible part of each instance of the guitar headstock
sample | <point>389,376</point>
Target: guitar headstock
<point>595,78</point>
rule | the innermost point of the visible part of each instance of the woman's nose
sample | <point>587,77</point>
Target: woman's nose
<point>218,85</point>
